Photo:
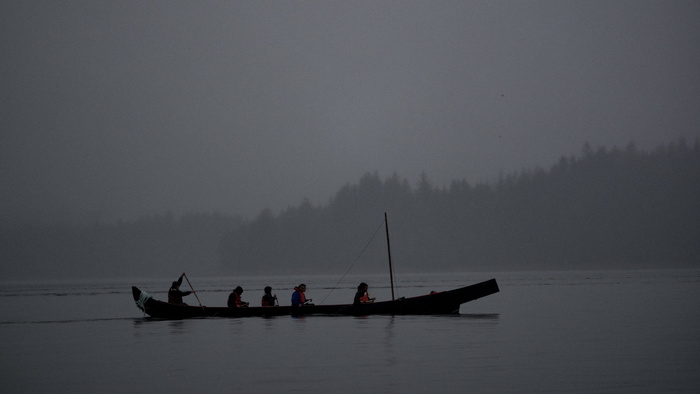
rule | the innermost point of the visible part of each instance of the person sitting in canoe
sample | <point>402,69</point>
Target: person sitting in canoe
<point>362,296</point>
<point>299,298</point>
<point>268,299</point>
<point>234,299</point>
<point>174,294</point>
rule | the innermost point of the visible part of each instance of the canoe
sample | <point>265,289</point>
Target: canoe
<point>436,303</point>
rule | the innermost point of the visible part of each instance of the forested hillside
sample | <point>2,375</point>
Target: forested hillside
<point>611,208</point>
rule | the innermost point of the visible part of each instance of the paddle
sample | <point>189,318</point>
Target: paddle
<point>193,292</point>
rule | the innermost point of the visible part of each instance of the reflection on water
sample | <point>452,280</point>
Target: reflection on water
<point>389,351</point>
<point>549,331</point>
<point>177,327</point>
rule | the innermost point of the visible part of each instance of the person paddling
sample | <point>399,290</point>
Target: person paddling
<point>268,299</point>
<point>298,297</point>
<point>362,296</point>
<point>234,299</point>
<point>174,294</point>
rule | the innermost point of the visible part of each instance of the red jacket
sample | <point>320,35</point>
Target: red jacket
<point>234,300</point>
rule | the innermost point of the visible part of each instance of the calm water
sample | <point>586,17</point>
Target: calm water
<point>620,331</point>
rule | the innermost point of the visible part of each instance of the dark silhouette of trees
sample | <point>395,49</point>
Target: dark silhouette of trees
<point>607,208</point>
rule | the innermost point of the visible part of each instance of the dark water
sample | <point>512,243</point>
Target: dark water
<point>620,331</point>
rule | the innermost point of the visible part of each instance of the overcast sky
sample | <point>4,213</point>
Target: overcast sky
<point>115,109</point>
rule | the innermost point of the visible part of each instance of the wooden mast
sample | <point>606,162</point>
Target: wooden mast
<point>388,247</point>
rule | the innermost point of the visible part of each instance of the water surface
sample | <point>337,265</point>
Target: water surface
<point>602,331</point>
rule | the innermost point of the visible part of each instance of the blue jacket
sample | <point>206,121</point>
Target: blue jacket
<point>296,299</point>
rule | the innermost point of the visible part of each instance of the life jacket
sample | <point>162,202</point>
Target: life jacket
<point>302,297</point>
<point>266,302</point>
<point>365,297</point>
<point>234,300</point>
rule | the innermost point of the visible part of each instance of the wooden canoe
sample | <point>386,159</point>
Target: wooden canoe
<point>445,302</point>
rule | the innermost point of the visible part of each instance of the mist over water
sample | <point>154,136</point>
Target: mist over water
<point>612,209</point>
<point>225,138</point>
<point>586,331</point>
<point>115,110</point>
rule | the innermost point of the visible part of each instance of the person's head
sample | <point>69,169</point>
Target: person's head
<point>302,287</point>
<point>362,286</point>
<point>268,289</point>
<point>238,290</point>
<point>175,285</point>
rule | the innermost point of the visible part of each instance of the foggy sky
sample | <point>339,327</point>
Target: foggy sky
<point>118,109</point>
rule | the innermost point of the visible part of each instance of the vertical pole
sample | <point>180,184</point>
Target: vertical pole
<point>388,247</point>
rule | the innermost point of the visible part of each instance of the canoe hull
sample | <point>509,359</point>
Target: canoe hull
<point>446,302</point>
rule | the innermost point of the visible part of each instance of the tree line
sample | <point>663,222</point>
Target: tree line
<point>606,208</point>
<point>613,208</point>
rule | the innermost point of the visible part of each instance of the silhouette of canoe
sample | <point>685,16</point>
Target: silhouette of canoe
<point>445,302</point>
